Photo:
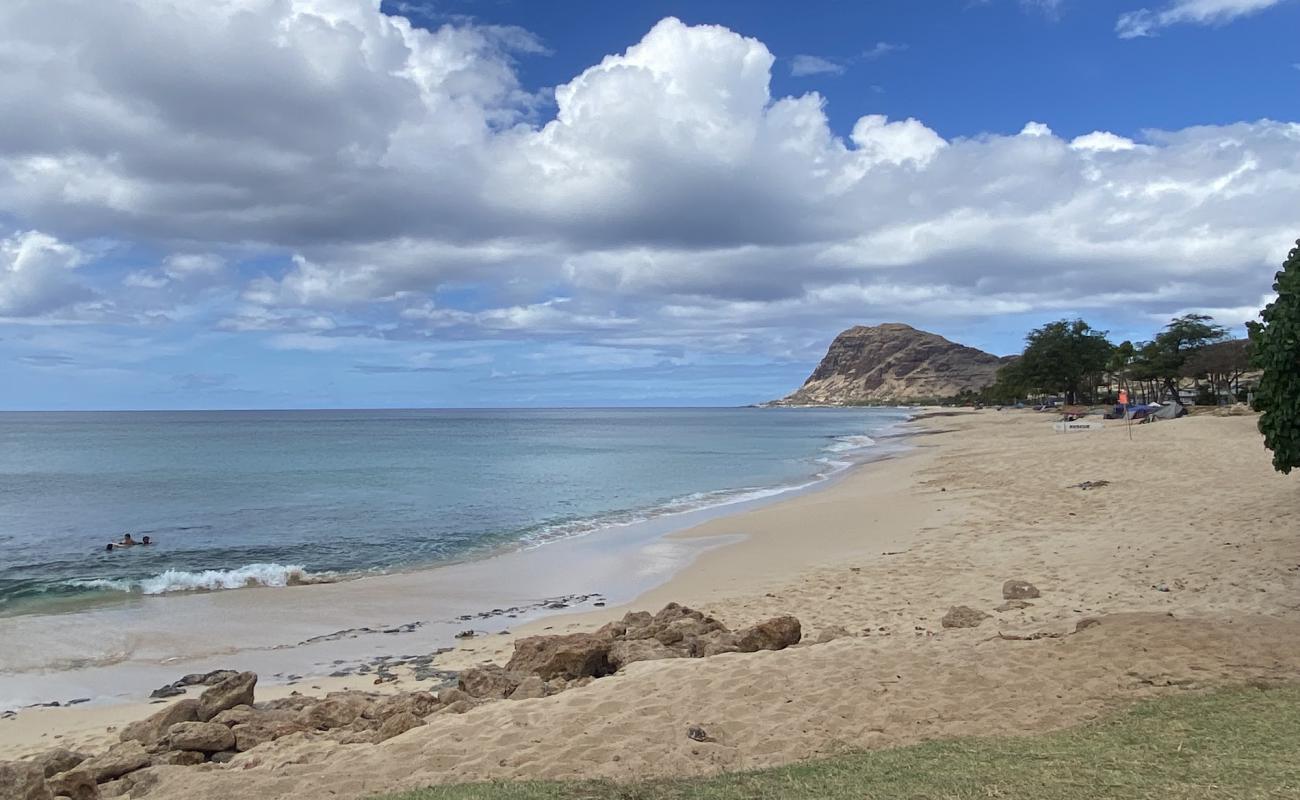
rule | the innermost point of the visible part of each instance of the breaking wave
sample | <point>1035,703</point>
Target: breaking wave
<point>208,580</point>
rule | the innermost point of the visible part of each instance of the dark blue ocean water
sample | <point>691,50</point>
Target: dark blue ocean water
<point>264,498</point>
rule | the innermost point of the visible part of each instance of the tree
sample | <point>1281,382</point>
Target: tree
<point>1182,337</point>
<point>1222,363</point>
<point>1066,356</point>
<point>1276,343</point>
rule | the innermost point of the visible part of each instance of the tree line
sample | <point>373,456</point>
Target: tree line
<point>1071,360</point>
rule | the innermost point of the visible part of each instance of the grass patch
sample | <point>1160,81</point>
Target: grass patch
<point>1240,744</point>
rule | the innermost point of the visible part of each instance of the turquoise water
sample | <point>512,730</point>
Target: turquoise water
<point>235,499</point>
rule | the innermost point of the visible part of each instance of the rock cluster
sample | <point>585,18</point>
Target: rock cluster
<point>543,665</point>
<point>225,721</point>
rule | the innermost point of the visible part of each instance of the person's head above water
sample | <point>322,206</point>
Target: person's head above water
<point>145,540</point>
<point>126,537</point>
<point>109,546</point>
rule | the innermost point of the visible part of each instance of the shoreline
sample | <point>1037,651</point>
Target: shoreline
<point>658,550</point>
<point>1192,574</point>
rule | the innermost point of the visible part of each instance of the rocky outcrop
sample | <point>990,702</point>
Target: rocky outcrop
<point>963,617</point>
<point>234,690</point>
<point>152,729</point>
<point>225,724</point>
<point>22,780</point>
<point>894,363</point>
<point>202,737</point>
<point>1019,590</point>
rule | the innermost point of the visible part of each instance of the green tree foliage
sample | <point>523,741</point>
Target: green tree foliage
<point>1276,343</point>
<point>1167,356</point>
<point>1067,356</point>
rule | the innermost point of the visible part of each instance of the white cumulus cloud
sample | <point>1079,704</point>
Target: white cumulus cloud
<point>1145,22</point>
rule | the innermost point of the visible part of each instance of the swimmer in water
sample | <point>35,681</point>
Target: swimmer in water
<point>145,540</point>
<point>127,541</point>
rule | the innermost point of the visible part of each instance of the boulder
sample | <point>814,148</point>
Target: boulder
<point>673,625</point>
<point>60,759</point>
<point>529,688</point>
<point>1086,623</point>
<point>963,617</point>
<point>250,734</point>
<point>777,633</point>
<point>832,633</point>
<point>576,655</point>
<point>222,757</point>
<point>119,760</point>
<point>77,784</point>
<point>179,758</point>
<point>204,737</point>
<point>622,653</point>
<point>329,713</point>
<point>1019,590</point>
<point>235,690</point>
<point>452,695</point>
<point>397,725</point>
<point>714,644</point>
<point>206,678</point>
<point>489,681</point>
<point>459,707</point>
<point>358,737</point>
<point>152,729</point>
<point>421,704</point>
<point>23,780</point>
<point>235,716</point>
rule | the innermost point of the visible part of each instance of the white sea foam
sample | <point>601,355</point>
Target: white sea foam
<point>174,580</point>
<point>843,444</point>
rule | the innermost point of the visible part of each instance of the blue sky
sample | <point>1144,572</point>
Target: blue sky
<point>454,203</point>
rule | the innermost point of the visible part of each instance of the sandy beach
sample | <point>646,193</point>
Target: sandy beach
<point>1187,557</point>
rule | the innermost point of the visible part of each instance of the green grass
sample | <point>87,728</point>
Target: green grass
<point>1238,744</point>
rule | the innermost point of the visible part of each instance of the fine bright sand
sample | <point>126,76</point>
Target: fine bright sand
<point>1190,558</point>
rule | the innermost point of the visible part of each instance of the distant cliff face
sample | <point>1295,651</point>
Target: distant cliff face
<point>894,363</point>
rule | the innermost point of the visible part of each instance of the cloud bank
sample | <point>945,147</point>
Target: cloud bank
<point>317,172</point>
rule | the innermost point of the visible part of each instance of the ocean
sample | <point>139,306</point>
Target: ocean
<point>271,498</point>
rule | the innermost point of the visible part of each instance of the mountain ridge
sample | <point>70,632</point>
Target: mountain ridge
<point>894,363</point>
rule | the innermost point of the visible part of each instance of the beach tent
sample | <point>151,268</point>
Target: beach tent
<point>1170,410</point>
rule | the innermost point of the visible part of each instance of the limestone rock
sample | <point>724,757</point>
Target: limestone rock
<point>421,704</point>
<point>23,780</point>
<point>963,617</point>
<point>235,690</point>
<point>76,784</point>
<point>459,707</point>
<point>777,633</point>
<point>398,724</point>
<point>58,760</point>
<point>1086,623</point>
<point>622,653</point>
<point>832,633</point>
<point>235,716</point>
<point>576,655</point>
<point>119,760</point>
<point>152,729</point>
<point>179,758</point>
<point>1019,590</point>
<point>329,713</point>
<point>489,681</point>
<point>452,695</point>
<point>204,737</point>
<point>529,688</point>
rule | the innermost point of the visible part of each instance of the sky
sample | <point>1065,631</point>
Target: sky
<point>446,203</point>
